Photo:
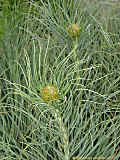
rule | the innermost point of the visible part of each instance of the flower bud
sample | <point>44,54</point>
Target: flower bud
<point>74,30</point>
<point>49,93</point>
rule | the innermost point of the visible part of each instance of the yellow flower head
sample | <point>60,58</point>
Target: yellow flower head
<point>49,93</point>
<point>74,30</point>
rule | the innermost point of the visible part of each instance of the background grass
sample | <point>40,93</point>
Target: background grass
<point>36,51</point>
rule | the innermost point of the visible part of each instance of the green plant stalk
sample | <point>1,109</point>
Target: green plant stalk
<point>63,133</point>
<point>75,46</point>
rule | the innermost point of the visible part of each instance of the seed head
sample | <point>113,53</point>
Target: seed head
<point>74,30</point>
<point>49,93</point>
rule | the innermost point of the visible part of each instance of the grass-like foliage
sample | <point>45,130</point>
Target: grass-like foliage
<point>36,50</point>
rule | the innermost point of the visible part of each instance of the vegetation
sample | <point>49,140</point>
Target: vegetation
<point>72,48</point>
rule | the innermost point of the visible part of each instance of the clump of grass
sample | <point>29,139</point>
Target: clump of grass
<point>83,121</point>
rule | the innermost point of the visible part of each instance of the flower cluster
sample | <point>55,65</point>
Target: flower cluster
<point>73,30</point>
<point>49,93</point>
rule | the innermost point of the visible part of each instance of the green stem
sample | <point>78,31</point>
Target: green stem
<point>75,45</point>
<point>63,134</point>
